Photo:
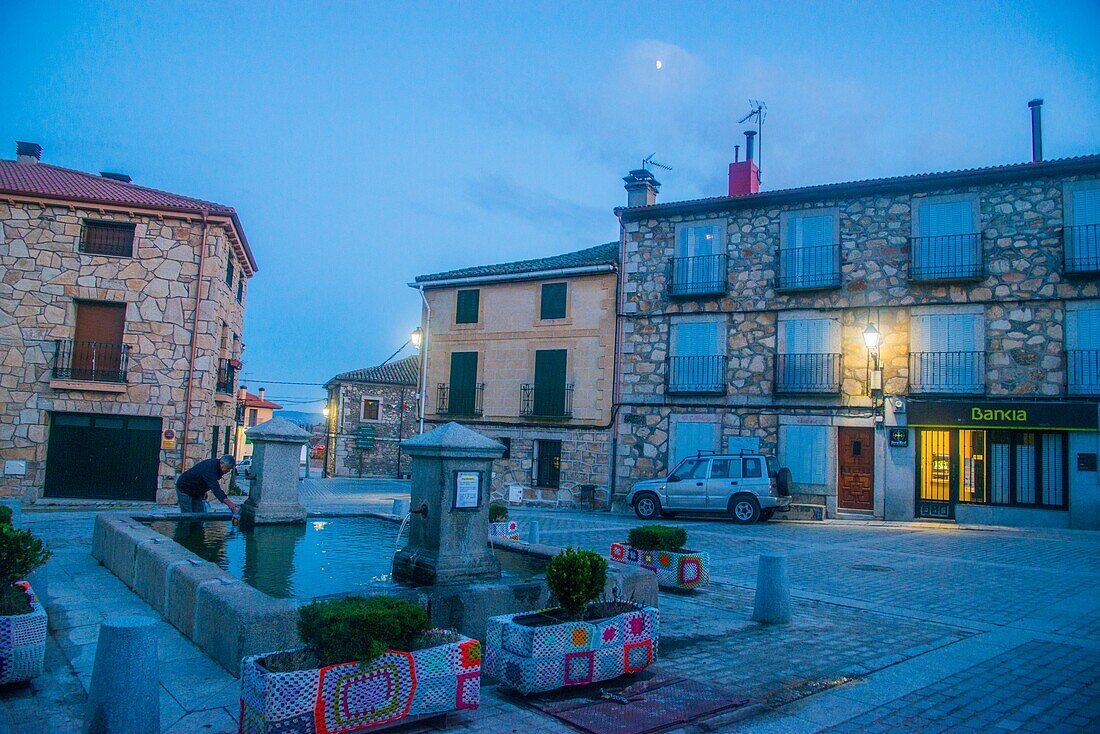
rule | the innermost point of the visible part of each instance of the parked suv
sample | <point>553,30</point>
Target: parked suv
<point>748,486</point>
<point>244,467</point>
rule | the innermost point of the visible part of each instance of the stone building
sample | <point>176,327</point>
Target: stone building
<point>369,412</point>
<point>254,410</point>
<point>524,352</point>
<point>747,319</point>
<point>121,310</point>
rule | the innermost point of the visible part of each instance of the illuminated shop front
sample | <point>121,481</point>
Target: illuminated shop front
<point>972,454</point>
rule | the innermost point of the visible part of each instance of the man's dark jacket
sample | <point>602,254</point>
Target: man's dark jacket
<point>202,478</point>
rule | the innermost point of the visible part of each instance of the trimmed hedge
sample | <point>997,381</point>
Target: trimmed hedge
<point>5,515</point>
<point>498,512</point>
<point>359,628</point>
<point>576,579</point>
<point>657,537</point>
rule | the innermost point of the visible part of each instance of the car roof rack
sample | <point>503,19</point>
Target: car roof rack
<point>703,452</point>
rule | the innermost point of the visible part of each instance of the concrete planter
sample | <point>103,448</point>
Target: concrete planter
<point>397,688</point>
<point>23,641</point>
<point>505,529</point>
<point>532,659</point>
<point>675,569</point>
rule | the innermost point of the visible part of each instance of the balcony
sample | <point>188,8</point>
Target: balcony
<point>800,374</point>
<point>90,361</point>
<point>808,268</point>
<point>227,375</point>
<point>947,373</point>
<point>1082,248</point>
<point>460,401</point>
<point>704,375</point>
<point>947,257</point>
<point>704,275</point>
<point>552,403</point>
<point>1083,377</point>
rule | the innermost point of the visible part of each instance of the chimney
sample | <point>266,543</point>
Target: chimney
<point>116,176</point>
<point>1036,106</point>
<point>27,152</point>
<point>641,188</point>
<point>263,391</point>
<point>744,175</point>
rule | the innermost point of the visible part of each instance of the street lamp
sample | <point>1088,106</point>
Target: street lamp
<point>873,339</point>
<point>416,337</point>
<point>872,336</point>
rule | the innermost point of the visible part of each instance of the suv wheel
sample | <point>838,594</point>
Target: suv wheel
<point>744,510</point>
<point>647,507</point>
<point>766,515</point>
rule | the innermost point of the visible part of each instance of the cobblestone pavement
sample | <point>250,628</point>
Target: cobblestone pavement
<point>895,628</point>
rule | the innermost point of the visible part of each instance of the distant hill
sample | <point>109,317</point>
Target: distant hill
<point>306,420</point>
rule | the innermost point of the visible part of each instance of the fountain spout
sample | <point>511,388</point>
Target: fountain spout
<point>422,511</point>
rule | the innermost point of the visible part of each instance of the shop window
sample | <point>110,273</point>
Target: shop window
<point>372,409</point>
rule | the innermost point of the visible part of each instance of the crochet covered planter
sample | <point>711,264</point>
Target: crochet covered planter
<point>506,529</point>
<point>350,697</point>
<point>23,641</point>
<point>674,569</point>
<point>532,659</point>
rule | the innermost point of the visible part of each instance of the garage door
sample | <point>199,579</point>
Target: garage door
<point>103,457</point>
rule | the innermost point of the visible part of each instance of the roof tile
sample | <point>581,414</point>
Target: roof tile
<point>605,254</point>
<point>402,372</point>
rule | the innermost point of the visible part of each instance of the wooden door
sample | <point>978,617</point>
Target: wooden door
<point>97,341</point>
<point>856,468</point>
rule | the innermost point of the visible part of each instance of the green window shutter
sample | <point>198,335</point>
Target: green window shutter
<point>550,381</point>
<point>214,444</point>
<point>553,300</point>
<point>467,306</point>
<point>463,382</point>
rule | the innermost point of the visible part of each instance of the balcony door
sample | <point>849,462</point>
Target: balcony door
<point>951,355</point>
<point>696,268</point>
<point>463,383</point>
<point>550,366</point>
<point>97,341</point>
<point>947,245</point>
<point>696,358</point>
<point>806,361</point>
<point>1083,354</point>
<point>808,256</point>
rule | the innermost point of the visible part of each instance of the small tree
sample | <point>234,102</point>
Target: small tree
<point>359,628</point>
<point>576,579</point>
<point>498,512</point>
<point>20,554</point>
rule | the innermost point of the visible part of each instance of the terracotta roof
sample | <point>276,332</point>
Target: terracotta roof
<point>605,254</point>
<point>42,179</point>
<point>916,182</point>
<point>254,401</point>
<point>401,372</point>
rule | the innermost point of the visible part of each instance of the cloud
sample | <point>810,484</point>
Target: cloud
<point>498,195</point>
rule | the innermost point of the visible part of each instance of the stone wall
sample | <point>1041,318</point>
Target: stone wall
<point>397,421</point>
<point>44,274</point>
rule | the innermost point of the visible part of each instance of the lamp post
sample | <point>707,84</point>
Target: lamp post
<point>417,338</point>
<point>873,339</point>
<point>329,439</point>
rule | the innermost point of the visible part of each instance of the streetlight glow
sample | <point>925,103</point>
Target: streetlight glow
<point>416,337</point>
<point>872,337</point>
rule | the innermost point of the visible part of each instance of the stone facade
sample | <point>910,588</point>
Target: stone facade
<point>44,274</point>
<point>1021,298</point>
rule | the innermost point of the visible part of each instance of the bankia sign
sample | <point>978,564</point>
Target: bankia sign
<point>1003,415</point>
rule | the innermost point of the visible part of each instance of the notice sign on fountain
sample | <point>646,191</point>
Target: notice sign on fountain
<point>467,490</point>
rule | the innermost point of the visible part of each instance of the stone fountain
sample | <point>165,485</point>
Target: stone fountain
<point>273,496</point>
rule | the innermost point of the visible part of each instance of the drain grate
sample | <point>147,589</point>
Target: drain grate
<point>869,567</point>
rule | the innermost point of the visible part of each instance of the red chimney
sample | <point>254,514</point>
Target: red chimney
<point>744,175</point>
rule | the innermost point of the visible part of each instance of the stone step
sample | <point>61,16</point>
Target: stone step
<point>853,515</point>
<point>802,512</point>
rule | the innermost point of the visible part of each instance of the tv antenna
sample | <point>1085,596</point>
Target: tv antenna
<point>759,110</point>
<point>648,161</point>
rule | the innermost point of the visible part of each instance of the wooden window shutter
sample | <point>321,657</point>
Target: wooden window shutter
<point>554,300</point>
<point>466,306</point>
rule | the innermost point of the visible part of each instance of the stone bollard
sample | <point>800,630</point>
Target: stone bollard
<point>532,535</point>
<point>773,599</point>
<point>400,508</point>
<point>123,697</point>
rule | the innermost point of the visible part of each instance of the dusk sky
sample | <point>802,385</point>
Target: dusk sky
<point>365,143</point>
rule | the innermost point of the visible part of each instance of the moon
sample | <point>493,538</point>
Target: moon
<point>660,64</point>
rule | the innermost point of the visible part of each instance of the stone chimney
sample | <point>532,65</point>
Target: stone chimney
<point>641,188</point>
<point>27,152</point>
<point>744,175</point>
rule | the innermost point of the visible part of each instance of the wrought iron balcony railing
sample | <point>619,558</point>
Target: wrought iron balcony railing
<point>808,268</point>
<point>947,257</point>
<point>703,275</point>
<point>459,401</point>
<point>546,402</point>
<point>227,374</point>
<point>956,373</point>
<point>1084,372</point>
<point>808,373</point>
<point>90,361</point>
<point>705,375</point>
<point>1082,248</point>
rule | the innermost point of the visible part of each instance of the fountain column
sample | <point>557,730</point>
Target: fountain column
<point>273,496</point>
<point>452,470</point>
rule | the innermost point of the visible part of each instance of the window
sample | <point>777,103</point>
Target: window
<point>553,301</point>
<point>108,238</point>
<point>550,396</point>
<point>1083,352</point>
<point>253,416</point>
<point>948,354</point>
<point>228,435</point>
<point>751,468</point>
<point>690,437</point>
<point>240,289</point>
<point>229,271</point>
<point>809,358</point>
<point>372,410</point>
<point>809,250</point>
<point>507,441</point>
<point>946,243</point>
<point>96,352</point>
<point>214,443</point>
<point>725,469</point>
<point>699,266</point>
<point>1082,236</point>
<point>463,396</point>
<point>697,362</point>
<point>802,449</point>
<point>547,463</point>
<point>692,469</point>
<point>467,304</point>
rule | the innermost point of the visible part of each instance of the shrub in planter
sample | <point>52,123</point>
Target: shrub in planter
<point>582,641</point>
<point>5,515</point>
<point>22,618</point>
<point>366,662</point>
<point>660,548</point>
<point>499,524</point>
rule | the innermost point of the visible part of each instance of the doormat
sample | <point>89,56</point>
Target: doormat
<point>643,707</point>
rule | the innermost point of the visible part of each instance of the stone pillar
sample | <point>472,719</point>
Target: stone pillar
<point>452,470</point>
<point>273,496</point>
<point>772,604</point>
<point>123,697</point>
